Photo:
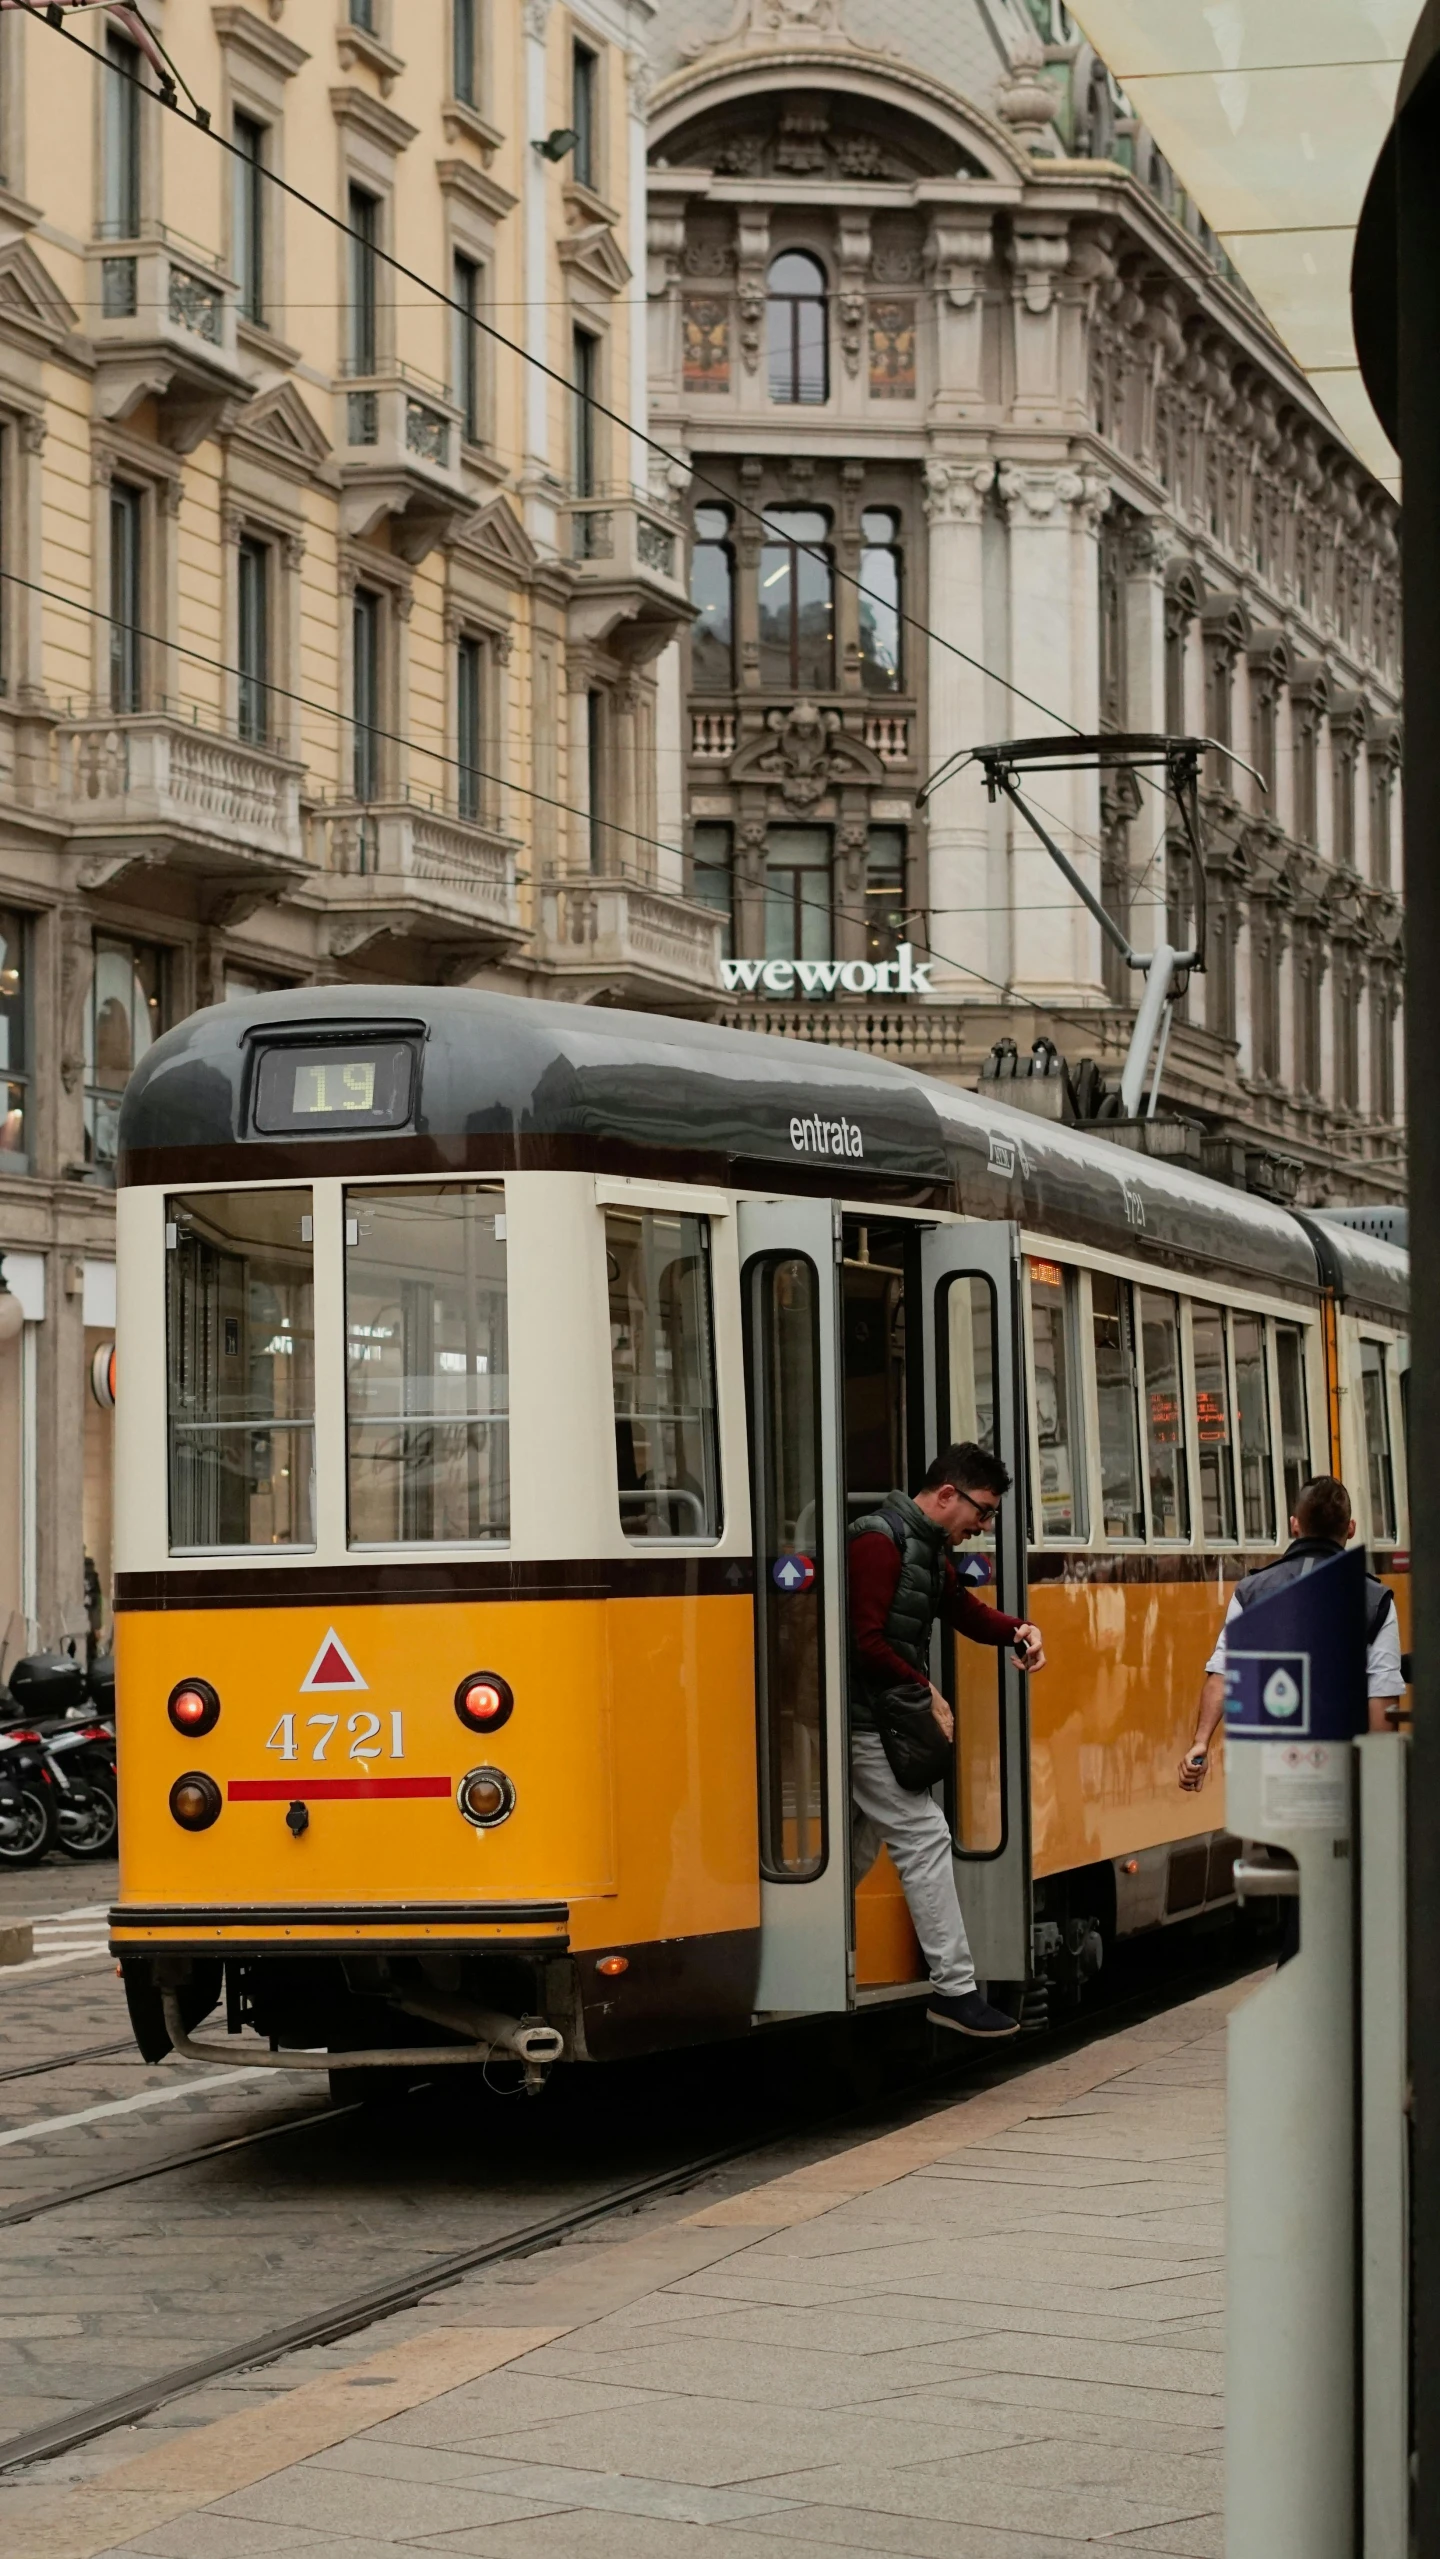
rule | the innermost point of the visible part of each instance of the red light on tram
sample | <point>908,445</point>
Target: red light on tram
<point>193,1706</point>
<point>484,1701</point>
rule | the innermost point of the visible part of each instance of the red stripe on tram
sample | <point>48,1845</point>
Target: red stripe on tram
<point>330,1790</point>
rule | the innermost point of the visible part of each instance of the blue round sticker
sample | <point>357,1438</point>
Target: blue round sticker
<point>792,1572</point>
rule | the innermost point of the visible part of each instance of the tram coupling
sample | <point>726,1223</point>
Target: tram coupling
<point>491,2035</point>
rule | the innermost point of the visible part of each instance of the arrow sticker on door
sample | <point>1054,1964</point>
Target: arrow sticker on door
<point>332,1667</point>
<point>792,1572</point>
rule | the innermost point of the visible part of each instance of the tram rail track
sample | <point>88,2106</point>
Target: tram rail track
<point>352,2311</point>
<point>69,2061</point>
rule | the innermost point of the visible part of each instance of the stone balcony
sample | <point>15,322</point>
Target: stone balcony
<point>148,788</point>
<point>623,941</point>
<point>393,871</point>
<point>165,330</point>
<point>626,553</point>
<point>398,449</point>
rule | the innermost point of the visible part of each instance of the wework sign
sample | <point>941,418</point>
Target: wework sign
<point>904,975</point>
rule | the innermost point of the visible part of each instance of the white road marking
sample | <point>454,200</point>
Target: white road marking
<point>129,2105</point>
<point>64,1937</point>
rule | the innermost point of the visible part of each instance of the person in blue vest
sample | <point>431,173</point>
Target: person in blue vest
<point>1320,1529</point>
<point>902,1730</point>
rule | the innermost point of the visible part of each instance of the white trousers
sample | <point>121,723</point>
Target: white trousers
<point>917,1834</point>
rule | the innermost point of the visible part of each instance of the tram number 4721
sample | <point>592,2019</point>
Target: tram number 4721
<point>362,1728</point>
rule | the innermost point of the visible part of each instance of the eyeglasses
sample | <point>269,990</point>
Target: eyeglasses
<point>982,1510</point>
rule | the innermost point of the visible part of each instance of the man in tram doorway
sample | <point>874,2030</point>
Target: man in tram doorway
<point>902,1579</point>
<point>1320,1529</point>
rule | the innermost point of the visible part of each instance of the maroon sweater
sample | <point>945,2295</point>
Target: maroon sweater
<point>874,1562</point>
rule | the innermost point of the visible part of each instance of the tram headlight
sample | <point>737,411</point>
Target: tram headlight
<point>193,1706</point>
<point>486,1797</point>
<point>195,1801</point>
<point>484,1701</point>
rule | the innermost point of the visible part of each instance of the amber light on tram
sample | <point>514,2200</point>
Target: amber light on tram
<point>486,1797</point>
<point>484,1701</point>
<point>195,1801</point>
<point>613,1965</point>
<point>193,1706</point>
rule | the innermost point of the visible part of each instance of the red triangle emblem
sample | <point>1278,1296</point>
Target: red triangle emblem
<point>332,1667</point>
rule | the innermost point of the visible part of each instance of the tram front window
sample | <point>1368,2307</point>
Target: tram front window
<point>240,1327</point>
<point>427,1365</point>
<point>662,1365</point>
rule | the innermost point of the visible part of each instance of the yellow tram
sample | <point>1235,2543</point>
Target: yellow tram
<point>499,1378</point>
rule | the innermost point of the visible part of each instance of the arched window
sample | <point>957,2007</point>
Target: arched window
<point>795,326</point>
<point>712,592</point>
<point>880,600</point>
<point>797,612</point>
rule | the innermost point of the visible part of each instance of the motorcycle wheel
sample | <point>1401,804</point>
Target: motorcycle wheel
<point>32,1834</point>
<point>98,1838</point>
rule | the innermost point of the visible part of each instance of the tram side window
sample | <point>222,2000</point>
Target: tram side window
<point>1252,1397</point>
<point>1164,1415</point>
<point>1380,1467</point>
<point>1294,1414</point>
<point>427,1365</point>
<point>240,1359</point>
<point>1059,1426</point>
<point>1213,1432</point>
<point>1113,1317</point>
<point>662,1366</point>
<point>789,1604</point>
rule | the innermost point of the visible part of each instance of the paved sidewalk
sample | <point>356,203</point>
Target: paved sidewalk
<point>992,2335</point>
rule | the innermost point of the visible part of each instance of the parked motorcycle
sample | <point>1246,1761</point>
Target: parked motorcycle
<point>29,1820</point>
<point>76,1747</point>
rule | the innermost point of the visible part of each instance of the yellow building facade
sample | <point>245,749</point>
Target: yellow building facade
<point>331,620</point>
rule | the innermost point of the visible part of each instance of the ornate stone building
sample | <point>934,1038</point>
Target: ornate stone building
<point>983,438</point>
<point>336,656</point>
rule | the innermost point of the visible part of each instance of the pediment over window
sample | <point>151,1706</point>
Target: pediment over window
<point>592,252</point>
<point>498,534</point>
<point>281,424</point>
<point>31,302</point>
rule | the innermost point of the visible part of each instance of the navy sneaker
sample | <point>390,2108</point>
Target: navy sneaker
<point>971,2015</point>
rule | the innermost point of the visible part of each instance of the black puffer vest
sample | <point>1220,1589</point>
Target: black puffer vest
<point>916,1603</point>
<point>1300,1558</point>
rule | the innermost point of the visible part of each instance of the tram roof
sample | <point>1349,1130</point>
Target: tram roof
<point>1370,1275</point>
<point>510,1081</point>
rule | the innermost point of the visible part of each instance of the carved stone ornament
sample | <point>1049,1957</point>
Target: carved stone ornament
<point>956,492</point>
<point>1025,99</point>
<point>805,753</point>
<point>1044,497</point>
<point>537,14</point>
<point>760,21</point>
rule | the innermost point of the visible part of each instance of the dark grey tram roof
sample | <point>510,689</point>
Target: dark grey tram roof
<point>1369,1274</point>
<point>513,1080</point>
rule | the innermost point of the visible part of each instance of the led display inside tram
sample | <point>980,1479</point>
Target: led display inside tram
<point>336,1085</point>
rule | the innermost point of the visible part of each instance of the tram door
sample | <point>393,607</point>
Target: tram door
<point>973,1374</point>
<point>789,1251</point>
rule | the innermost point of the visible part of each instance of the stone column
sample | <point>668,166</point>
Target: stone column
<point>622,853</point>
<point>637,97</point>
<point>957,253</point>
<point>670,769</point>
<point>1054,518</point>
<point>958,817</point>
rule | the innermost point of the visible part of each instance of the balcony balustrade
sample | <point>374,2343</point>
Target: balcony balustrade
<point>393,868</point>
<point>399,455</point>
<point>627,940</point>
<point>627,554</point>
<point>154,786</point>
<point>165,330</point>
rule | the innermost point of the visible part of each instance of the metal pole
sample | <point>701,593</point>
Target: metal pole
<point>1159,970</point>
<point>1417,136</point>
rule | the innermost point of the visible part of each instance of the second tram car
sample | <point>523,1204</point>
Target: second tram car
<point>499,1379</point>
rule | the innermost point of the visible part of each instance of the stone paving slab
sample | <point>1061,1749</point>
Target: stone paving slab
<point>989,2335</point>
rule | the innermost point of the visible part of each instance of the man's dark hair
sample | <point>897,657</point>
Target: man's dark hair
<point>1322,1508</point>
<point>970,1470</point>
